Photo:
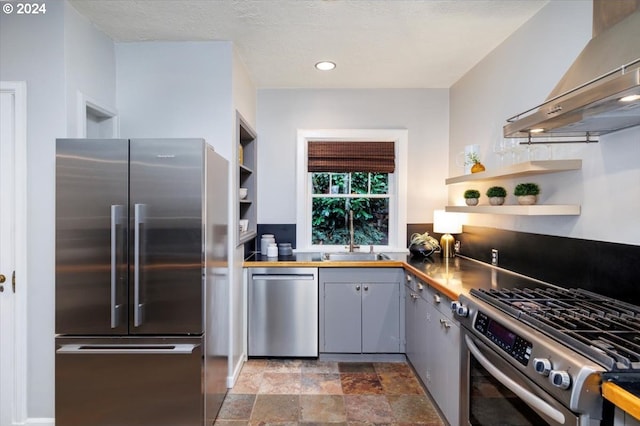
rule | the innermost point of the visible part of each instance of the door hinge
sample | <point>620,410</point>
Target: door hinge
<point>13,281</point>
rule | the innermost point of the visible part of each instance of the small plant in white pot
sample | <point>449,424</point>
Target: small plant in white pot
<point>496,195</point>
<point>471,197</point>
<point>527,193</point>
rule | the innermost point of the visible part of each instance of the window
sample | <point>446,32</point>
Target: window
<point>351,170</point>
<point>334,195</point>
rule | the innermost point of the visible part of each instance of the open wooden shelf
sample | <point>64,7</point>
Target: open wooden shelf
<point>533,210</point>
<point>527,168</point>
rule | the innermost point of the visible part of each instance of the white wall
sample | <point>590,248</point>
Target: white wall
<point>244,101</point>
<point>424,112</point>
<point>45,51</point>
<point>518,75</point>
<point>32,49</point>
<point>191,89</point>
<point>90,66</point>
<point>176,90</point>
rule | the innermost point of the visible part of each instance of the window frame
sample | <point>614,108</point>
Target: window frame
<point>397,184</point>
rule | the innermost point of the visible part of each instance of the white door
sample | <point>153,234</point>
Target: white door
<point>12,132</point>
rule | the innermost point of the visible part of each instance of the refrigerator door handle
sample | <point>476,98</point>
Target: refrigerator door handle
<point>138,306</point>
<point>116,219</point>
<point>168,349</point>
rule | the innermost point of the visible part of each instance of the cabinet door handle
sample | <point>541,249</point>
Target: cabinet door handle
<point>436,298</point>
<point>414,296</point>
<point>445,323</point>
<point>357,288</point>
<point>366,288</point>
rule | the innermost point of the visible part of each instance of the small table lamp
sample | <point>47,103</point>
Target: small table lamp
<point>446,224</point>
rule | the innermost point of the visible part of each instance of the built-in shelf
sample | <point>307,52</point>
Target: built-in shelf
<point>246,236</point>
<point>247,162</point>
<point>245,169</point>
<point>518,170</point>
<point>533,210</point>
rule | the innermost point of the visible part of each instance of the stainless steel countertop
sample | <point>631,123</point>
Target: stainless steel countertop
<point>451,276</point>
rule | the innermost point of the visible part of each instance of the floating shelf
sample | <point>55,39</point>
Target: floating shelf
<point>533,210</point>
<point>518,170</point>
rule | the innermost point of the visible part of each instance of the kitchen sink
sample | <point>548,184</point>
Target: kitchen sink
<point>354,256</point>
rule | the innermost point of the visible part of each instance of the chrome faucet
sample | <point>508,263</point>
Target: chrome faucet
<point>352,246</point>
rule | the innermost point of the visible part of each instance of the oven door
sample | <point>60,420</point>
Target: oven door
<point>496,393</point>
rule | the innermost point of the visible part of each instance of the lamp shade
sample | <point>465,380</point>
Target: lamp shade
<point>446,223</point>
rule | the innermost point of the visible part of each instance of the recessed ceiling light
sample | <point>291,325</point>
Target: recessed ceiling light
<point>630,98</point>
<point>539,130</point>
<point>325,65</point>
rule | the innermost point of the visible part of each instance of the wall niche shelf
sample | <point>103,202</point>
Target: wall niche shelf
<point>247,161</point>
<point>528,168</point>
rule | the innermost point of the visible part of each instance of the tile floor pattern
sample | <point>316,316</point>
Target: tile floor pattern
<point>310,392</point>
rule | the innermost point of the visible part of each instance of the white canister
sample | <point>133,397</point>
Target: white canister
<point>272,250</point>
<point>264,243</point>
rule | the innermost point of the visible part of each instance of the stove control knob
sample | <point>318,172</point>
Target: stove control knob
<point>560,379</point>
<point>462,311</point>
<point>542,366</point>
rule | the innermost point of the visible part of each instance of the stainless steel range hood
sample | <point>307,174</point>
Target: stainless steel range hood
<point>592,98</point>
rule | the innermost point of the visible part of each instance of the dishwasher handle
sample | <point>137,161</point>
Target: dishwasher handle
<point>284,277</point>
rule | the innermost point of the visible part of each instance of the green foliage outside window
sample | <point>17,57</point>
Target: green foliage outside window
<point>335,194</point>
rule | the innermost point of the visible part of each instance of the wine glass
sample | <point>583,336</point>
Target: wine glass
<point>500,149</point>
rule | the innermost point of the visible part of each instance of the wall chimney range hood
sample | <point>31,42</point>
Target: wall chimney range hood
<point>600,93</point>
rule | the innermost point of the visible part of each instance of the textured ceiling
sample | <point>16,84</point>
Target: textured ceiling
<point>376,43</point>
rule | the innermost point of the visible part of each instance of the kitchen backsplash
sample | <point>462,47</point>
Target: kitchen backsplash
<point>610,269</point>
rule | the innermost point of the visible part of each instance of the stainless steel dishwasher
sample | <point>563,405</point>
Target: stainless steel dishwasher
<point>283,312</point>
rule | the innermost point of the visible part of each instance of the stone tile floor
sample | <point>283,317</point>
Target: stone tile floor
<point>311,392</point>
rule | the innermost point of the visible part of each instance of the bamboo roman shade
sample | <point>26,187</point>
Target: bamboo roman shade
<point>337,157</point>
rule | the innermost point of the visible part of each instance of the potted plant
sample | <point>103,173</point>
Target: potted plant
<point>471,197</point>
<point>496,195</point>
<point>527,193</point>
<point>477,166</point>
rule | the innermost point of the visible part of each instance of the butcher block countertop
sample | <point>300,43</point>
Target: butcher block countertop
<point>623,394</point>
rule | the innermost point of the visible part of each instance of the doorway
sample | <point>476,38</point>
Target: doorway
<point>13,252</point>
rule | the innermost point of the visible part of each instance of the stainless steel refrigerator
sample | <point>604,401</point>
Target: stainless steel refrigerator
<point>141,282</point>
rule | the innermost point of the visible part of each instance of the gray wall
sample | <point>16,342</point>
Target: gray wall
<point>56,53</point>
<point>518,75</point>
<point>424,112</point>
<point>191,89</point>
<point>176,89</point>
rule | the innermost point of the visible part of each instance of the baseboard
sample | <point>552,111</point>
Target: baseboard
<point>231,380</point>
<point>41,421</point>
<point>339,357</point>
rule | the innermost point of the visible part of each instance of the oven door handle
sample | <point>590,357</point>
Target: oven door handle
<point>527,396</point>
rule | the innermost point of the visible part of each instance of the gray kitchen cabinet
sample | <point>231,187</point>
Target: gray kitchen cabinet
<point>433,345</point>
<point>624,419</point>
<point>360,310</point>
<point>443,355</point>
<point>416,317</point>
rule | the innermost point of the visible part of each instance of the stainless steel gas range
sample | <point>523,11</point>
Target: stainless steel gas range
<point>536,355</point>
